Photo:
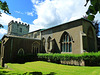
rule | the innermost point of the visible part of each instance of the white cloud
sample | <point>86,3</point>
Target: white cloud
<point>29,13</point>
<point>97,17</point>
<point>19,12</point>
<point>33,1</point>
<point>35,27</point>
<point>53,12</point>
<point>3,31</point>
<point>36,1</point>
<point>5,19</point>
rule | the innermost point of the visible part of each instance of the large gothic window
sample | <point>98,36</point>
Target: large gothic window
<point>43,43</point>
<point>49,40</point>
<point>66,45</point>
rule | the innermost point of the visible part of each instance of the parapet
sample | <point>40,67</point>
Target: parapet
<point>19,23</point>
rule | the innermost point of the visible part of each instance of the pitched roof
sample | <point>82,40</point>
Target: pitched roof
<point>70,22</point>
<point>20,37</point>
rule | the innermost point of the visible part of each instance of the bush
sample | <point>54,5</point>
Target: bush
<point>56,57</point>
<point>91,59</point>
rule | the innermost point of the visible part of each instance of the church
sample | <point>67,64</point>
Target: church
<point>74,37</point>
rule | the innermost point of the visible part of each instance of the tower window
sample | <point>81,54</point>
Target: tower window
<point>21,30</point>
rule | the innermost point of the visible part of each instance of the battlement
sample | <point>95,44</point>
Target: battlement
<point>19,23</point>
<point>17,28</point>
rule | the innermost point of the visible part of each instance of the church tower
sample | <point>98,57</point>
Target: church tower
<point>18,29</point>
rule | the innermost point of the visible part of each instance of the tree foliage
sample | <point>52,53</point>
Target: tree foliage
<point>4,7</point>
<point>93,9</point>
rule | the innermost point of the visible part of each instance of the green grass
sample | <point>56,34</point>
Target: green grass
<point>3,71</point>
<point>55,69</point>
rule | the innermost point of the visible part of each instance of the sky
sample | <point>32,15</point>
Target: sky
<point>42,14</point>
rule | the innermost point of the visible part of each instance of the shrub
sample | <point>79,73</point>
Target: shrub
<point>91,59</point>
<point>57,56</point>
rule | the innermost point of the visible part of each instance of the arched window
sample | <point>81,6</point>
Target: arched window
<point>66,44</point>
<point>49,42</point>
<point>35,47</point>
<point>43,42</point>
<point>21,51</point>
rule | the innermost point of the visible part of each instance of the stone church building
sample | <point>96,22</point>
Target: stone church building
<point>74,37</point>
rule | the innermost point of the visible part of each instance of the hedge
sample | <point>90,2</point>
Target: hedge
<point>91,59</point>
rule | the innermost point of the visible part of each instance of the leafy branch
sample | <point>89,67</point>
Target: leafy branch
<point>93,9</point>
<point>4,7</point>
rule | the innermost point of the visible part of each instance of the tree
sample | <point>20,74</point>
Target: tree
<point>93,9</point>
<point>4,7</point>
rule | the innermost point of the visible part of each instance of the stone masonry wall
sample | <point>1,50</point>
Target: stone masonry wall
<point>15,28</point>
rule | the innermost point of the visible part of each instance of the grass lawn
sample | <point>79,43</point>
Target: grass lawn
<point>53,69</point>
<point>2,71</point>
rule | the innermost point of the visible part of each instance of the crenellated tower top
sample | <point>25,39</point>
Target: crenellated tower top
<point>19,23</point>
<point>17,28</point>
